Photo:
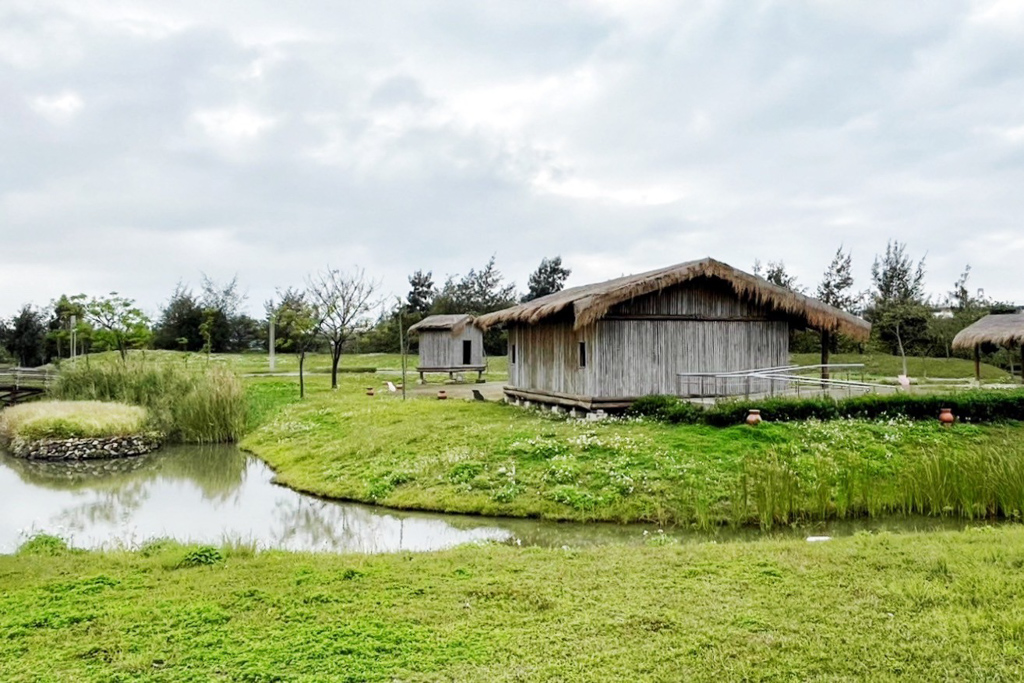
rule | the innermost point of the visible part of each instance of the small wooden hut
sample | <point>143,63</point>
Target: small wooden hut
<point>998,329</point>
<point>607,344</point>
<point>449,343</point>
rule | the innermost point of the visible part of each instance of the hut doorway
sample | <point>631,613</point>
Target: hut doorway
<point>467,352</point>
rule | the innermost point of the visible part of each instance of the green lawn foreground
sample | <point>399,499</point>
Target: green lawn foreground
<point>938,606</point>
<point>495,459</point>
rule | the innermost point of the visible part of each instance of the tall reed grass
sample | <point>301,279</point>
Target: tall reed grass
<point>188,403</point>
<point>968,481</point>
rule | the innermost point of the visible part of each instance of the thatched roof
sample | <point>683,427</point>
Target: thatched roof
<point>590,303</point>
<point>1002,329</point>
<point>456,324</point>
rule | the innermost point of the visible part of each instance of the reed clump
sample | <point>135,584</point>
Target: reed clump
<point>188,403</point>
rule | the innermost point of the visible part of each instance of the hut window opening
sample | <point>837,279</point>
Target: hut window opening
<point>583,354</point>
<point>467,352</point>
<point>513,353</point>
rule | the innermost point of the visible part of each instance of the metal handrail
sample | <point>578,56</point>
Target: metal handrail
<point>785,374</point>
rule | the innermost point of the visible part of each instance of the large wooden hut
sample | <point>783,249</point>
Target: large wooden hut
<point>604,345</point>
<point>997,329</point>
<point>449,343</point>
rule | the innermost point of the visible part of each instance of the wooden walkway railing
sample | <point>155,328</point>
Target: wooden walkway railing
<point>23,384</point>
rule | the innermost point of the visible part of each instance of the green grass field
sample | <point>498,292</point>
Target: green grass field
<point>924,607</point>
<point>916,606</point>
<point>491,458</point>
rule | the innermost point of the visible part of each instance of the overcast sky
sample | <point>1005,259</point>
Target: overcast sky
<point>146,143</point>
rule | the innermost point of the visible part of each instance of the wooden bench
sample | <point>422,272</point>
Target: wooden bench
<point>451,370</point>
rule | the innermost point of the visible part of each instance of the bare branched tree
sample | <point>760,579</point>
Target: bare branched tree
<point>342,301</point>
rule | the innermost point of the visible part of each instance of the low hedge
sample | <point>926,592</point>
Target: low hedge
<point>968,406</point>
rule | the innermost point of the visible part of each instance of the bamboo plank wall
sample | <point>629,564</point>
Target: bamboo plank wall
<point>633,352</point>
<point>439,349</point>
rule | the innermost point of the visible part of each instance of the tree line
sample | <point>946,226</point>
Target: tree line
<point>334,311</point>
<point>338,311</point>
<point>905,319</point>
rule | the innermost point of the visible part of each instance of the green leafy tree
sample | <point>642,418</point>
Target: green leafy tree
<point>67,315</point>
<point>421,293</point>
<point>25,337</point>
<point>549,278</point>
<point>776,274</point>
<point>296,315</point>
<point>478,292</point>
<point>836,287</point>
<point>899,310</point>
<point>231,329</point>
<point>290,300</point>
<point>962,308</point>
<point>119,324</point>
<point>180,322</point>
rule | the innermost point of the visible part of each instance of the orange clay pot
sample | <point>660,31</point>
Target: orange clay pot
<point>946,416</point>
<point>754,417</point>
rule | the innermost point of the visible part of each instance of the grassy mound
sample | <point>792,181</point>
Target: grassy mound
<point>71,420</point>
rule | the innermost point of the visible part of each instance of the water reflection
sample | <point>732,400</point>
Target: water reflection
<point>204,494</point>
<point>217,493</point>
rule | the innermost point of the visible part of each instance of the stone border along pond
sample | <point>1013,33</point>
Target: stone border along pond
<point>90,448</point>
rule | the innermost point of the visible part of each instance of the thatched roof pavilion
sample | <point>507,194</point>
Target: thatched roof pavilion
<point>999,329</point>
<point>590,303</point>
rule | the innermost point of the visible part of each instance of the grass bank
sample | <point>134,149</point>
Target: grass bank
<point>188,402</point>
<point>488,458</point>
<point>940,606</point>
<point>70,420</point>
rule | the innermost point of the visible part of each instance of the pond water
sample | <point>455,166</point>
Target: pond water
<point>214,494</point>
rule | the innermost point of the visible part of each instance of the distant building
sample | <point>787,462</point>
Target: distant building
<point>607,344</point>
<point>449,344</point>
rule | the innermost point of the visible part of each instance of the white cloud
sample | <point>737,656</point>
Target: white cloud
<point>256,138</point>
<point>233,124</point>
<point>58,109</point>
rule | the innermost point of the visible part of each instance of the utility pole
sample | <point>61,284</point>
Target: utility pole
<point>401,345</point>
<point>273,343</point>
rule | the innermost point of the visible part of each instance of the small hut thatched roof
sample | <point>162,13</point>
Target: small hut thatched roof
<point>456,324</point>
<point>1002,329</point>
<point>592,302</point>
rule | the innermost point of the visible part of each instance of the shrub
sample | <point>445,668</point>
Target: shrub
<point>202,556</point>
<point>668,409</point>
<point>969,406</point>
<point>43,544</point>
<point>189,404</point>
